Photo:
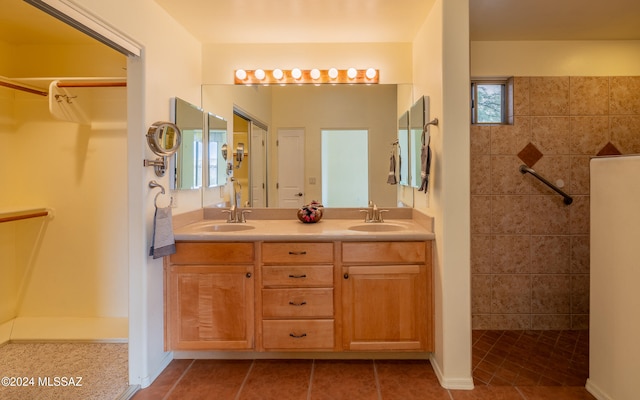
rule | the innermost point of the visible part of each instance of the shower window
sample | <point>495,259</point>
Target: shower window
<point>491,101</point>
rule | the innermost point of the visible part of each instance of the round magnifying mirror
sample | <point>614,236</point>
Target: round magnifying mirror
<point>164,138</point>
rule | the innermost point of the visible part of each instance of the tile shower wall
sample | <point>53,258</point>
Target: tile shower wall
<point>529,251</point>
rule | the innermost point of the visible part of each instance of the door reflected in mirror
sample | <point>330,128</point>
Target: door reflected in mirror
<point>217,137</point>
<point>188,161</point>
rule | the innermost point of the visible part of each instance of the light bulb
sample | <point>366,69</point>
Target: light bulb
<point>333,73</point>
<point>259,74</point>
<point>241,74</point>
<point>278,74</point>
<point>351,73</point>
<point>371,73</point>
<point>315,73</point>
<point>296,73</point>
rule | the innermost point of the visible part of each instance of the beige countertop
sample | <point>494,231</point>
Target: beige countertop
<point>341,225</point>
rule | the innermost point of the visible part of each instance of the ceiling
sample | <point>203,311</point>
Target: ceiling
<point>352,21</point>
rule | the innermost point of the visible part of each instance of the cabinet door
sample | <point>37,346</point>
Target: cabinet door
<point>386,308</point>
<point>211,307</point>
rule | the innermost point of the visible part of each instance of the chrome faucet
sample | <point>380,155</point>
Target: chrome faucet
<point>236,215</point>
<point>374,214</point>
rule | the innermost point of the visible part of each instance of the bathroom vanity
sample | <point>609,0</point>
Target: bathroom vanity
<point>283,286</point>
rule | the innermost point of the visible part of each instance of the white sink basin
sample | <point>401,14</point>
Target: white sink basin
<point>377,227</point>
<point>225,228</point>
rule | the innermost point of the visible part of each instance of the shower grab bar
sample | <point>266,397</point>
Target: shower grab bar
<point>567,199</point>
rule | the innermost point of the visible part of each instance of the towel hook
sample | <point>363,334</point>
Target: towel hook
<point>154,184</point>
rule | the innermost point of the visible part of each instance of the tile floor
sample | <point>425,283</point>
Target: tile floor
<point>518,365</point>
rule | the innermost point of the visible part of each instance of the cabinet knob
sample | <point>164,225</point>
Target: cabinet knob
<point>346,276</point>
<point>248,275</point>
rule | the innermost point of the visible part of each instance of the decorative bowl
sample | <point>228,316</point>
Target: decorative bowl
<point>311,213</point>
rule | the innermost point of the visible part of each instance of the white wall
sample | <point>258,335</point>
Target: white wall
<point>441,71</point>
<point>555,58</point>
<point>171,66</point>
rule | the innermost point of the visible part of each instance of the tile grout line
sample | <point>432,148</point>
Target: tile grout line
<point>375,376</point>
<point>166,396</point>
<point>313,368</point>
<point>246,378</point>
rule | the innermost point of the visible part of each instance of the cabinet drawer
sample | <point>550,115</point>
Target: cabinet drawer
<point>299,276</point>
<point>297,252</point>
<point>213,253</point>
<point>297,303</point>
<point>298,334</point>
<point>384,252</point>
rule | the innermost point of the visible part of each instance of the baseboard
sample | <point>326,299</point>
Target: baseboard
<point>5,331</point>
<point>103,330</point>
<point>596,391</point>
<point>450,383</point>
<point>129,392</point>
<point>148,380</point>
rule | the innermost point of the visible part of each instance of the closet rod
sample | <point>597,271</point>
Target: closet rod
<point>92,84</point>
<point>18,215</point>
<point>13,85</point>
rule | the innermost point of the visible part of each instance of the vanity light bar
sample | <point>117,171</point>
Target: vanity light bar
<point>305,76</point>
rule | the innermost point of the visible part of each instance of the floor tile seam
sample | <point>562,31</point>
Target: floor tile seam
<point>520,392</point>
<point>375,376</point>
<point>313,367</point>
<point>175,384</point>
<point>244,381</point>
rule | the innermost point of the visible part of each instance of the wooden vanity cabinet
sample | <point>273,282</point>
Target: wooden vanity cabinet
<point>209,296</point>
<point>297,297</point>
<point>387,296</point>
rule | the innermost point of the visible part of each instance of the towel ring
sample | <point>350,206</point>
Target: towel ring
<point>153,185</point>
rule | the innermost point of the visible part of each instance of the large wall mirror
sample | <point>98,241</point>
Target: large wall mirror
<point>188,162</point>
<point>307,111</point>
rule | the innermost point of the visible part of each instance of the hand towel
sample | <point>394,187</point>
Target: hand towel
<point>425,166</point>
<point>162,243</point>
<point>391,180</point>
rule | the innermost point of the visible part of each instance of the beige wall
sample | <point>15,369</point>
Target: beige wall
<point>555,58</point>
<point>440,65</point>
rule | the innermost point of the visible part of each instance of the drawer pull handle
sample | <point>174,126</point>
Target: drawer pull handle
<point>293,335</point>
<point>302,303</point>
<point>297,253</point>
<point>298,276</point>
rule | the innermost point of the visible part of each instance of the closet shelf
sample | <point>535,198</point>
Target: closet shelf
<point>17,215</point>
